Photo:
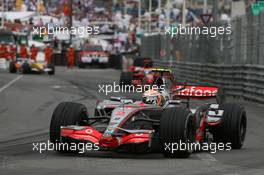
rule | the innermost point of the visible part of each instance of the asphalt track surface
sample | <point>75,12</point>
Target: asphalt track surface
<point>26,105</point>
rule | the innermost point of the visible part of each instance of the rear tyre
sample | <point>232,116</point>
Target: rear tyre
<point>12,67</point>
<point>52,67</point>
<point>177,126</point>
<point>233,128</point>
<point>126,78</point>
<point>66,113</point>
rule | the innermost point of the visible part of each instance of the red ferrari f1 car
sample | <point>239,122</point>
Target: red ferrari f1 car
<point>147,76</point>
<point>136,74</point>
<point>160,120</point>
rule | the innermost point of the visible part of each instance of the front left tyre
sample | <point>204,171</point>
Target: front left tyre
<point>66,113</point>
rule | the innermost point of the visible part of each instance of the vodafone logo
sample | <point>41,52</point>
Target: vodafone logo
<point>197,91</point>
<point>139,134</point>
<point>89,131</point>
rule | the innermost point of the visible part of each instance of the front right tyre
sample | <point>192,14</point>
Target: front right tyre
<point>177,127</point>
<point>233,127</point>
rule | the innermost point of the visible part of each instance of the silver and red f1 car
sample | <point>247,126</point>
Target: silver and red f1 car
<point>133,126</point>
<point>92,55</point>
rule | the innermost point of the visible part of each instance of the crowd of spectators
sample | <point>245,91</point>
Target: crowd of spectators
<point>123,15</point>
<point>21,5</point>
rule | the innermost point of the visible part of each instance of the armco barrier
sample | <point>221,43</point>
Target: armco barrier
<point>246,81</point>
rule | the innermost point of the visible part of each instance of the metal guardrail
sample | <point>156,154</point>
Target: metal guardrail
<point>246,81</point>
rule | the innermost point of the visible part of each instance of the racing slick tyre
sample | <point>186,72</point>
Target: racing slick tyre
<point>66,113</point>
<point>12,67</point>
<point>52,67</point>
<point>81,65</point>
<point>26,68</point>
<point>177,127</point>
<point>233,127</point>
<point>126,78</point>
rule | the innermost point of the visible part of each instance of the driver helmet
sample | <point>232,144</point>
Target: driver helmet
<point>153,97</point>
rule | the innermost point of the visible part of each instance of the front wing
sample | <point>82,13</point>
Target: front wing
<point>90,134</point>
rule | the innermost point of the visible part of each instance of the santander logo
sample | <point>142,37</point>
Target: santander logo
<point>196,91</point>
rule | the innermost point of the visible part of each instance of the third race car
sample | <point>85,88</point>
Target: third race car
<point>28,66</point>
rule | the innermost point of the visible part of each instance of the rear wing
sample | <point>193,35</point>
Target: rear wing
<point>192,91</point>
<point>160,70</point>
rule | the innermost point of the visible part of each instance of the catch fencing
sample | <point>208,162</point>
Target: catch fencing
<point>245,45</point>
<point>234,62</point>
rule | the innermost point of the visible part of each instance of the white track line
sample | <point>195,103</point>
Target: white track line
<point>10,83</point>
